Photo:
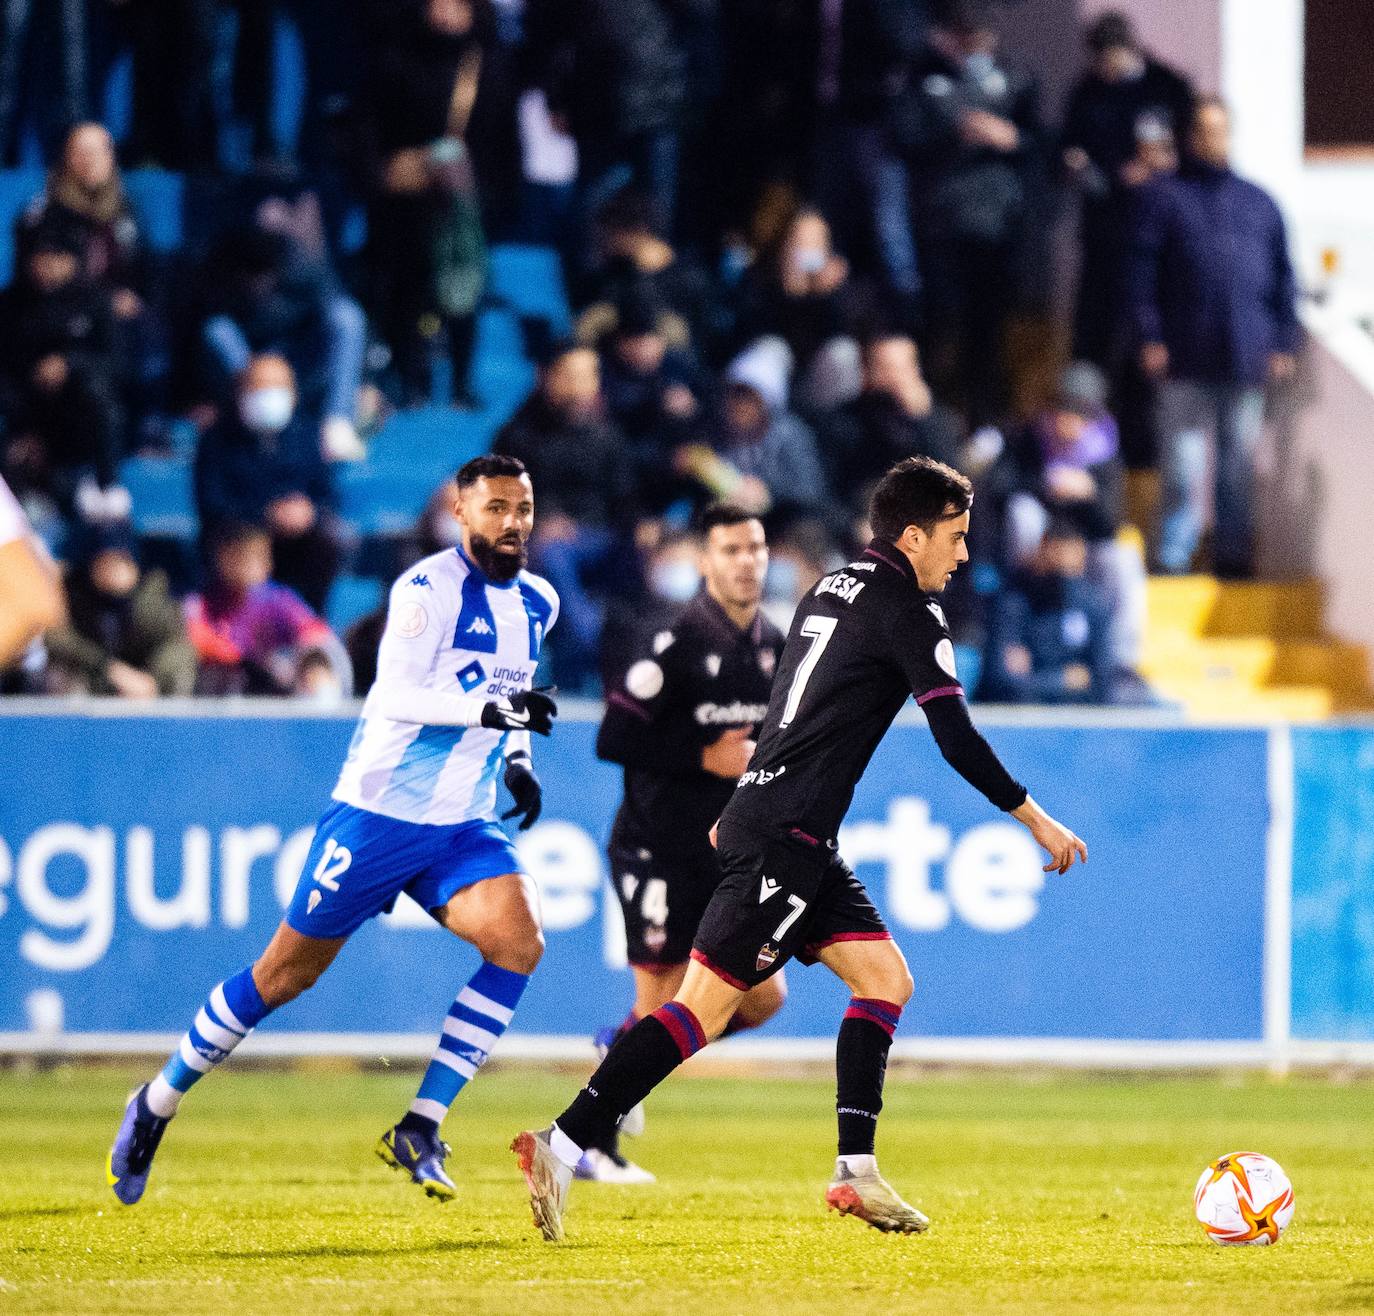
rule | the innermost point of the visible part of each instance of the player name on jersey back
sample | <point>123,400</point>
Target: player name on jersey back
<point>863,641</point>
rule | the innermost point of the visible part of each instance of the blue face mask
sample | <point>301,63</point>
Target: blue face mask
<point>675,581</point>
<point>267,410</point>
<point>783,580</point>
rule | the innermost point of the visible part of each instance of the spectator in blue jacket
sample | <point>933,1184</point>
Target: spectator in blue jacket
<point>1213,308</point>
<point>261,465</point>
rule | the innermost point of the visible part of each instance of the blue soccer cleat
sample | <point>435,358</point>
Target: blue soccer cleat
<point>131,1157</point>
<point>422,1155</point>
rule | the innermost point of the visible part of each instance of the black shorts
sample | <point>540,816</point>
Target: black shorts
<point>662,904</point>
<point>779,897</point>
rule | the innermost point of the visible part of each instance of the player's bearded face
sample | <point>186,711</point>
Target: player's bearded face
<point>498,516</point>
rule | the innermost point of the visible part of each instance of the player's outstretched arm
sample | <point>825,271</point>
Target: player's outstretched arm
<point>1061,844</point>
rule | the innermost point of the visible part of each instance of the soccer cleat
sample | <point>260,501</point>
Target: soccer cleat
<point>131,1157</point>
<point>632,1125</point>
<point>872,1199</point>
<point>548,1179</point>
<point>422,1156</point>
<point>610,1167</point>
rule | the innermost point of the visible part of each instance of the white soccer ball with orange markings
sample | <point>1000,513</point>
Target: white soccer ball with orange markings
<point>1243,1199</point>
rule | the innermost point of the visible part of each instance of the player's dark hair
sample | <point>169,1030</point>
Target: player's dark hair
<point>722,513</point>
<point>489,465</point>
<point>918,491</point>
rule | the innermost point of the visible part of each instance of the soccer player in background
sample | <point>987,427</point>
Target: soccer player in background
<point>866,638</point>
<point>681,721</point>
<point>414,810</point>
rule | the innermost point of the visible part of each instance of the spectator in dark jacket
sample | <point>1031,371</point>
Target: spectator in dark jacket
<point>1125,107</point>
<point>1213,307</point>
<point>426,248</point>
<point>58,378</point>
<point>615,73</point>
<point>125,634</point>
<point>859,53</point>
<point>584,492</point>
<point>895,416</point>
<point>260,464</point>
<point>971,125</point>
<point>1047,640</point>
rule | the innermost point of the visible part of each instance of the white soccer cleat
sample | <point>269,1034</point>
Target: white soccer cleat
<point>633,1123</point>
<point>872,1199</point>
<point>610,1167</point>
<point>548,1179</point>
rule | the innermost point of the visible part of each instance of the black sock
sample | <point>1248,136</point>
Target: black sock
<point>419,1124</point>
<point>633,1068</point>
<point>860,1065</point>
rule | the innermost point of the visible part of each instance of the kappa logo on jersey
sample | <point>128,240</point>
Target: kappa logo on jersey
<point>480,626</point>
<point>768,889</point>
<point>419,579</point>
<point>938,614</point>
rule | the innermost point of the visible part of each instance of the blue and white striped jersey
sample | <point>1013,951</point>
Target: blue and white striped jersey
<point>450,630</point>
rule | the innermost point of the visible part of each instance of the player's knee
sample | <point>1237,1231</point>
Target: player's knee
<point>901,987</point>
<point>517,950</point>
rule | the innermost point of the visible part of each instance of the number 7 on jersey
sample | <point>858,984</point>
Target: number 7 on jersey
<point>818,630</point>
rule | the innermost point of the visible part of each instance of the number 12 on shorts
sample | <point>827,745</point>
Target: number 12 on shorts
<point>333,864</point>
<point>818,630</point>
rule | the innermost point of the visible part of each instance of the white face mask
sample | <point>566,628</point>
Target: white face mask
<point>267,410</point>
<point>447,529</point>
<point>809,260</point>
<point>677,581</point>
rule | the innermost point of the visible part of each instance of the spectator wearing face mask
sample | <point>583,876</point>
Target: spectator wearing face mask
<point>125,635</point>
<point>260,464</point>
<point>671,577</point>
<point>251,634</point>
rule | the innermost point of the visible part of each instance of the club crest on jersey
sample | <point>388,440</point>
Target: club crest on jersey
<point>767,956</point>
<point>713,665</point>
<point>768,661</point>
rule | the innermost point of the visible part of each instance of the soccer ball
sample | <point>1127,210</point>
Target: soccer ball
<point>1243,1199</point>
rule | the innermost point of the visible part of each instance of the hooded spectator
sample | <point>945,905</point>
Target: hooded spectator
<point>58,374</point>
<point>125,635</point>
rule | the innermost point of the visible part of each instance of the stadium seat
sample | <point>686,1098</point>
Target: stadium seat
<point>530,282</point>
<point>163,502</point>
<point>17,188</point>
<point>351,598</point>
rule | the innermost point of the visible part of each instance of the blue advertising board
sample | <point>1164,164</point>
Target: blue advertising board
<point>1333,883</point>
<point>143,858</point>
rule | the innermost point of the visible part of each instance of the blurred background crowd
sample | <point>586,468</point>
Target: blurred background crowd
<point>277,267</point>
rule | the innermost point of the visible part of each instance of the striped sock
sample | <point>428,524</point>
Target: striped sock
<point>234,1009</point>
<point>476,1020</point>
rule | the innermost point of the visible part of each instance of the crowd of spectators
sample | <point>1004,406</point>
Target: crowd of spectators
<point>797,236</point>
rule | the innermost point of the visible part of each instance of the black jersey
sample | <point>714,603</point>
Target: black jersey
<point>863,641</point>
<point>690,682</point>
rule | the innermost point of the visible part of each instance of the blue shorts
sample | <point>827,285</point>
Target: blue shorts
<point>359,862</point>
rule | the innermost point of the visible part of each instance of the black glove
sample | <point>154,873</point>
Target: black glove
<point>526,710</point>
<point>525,790</point>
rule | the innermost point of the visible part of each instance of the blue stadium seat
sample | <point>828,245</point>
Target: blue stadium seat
<point>434,441</point>
<point>384,501</point>
<point>530,282</point>
<point>163,500</point>
<point>17,188</point>
<point>158,199</point>
<point>350,599</point>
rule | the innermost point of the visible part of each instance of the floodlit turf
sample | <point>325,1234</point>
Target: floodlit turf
<point>1051,1195</point>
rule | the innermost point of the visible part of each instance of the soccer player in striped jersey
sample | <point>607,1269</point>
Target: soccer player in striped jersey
<point>414,810</point>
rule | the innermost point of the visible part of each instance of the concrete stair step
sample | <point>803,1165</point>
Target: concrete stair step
<point>1202,605</point>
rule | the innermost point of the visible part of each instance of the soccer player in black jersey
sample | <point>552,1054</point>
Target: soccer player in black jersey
<point>868,637</point>
<point>681,719</point>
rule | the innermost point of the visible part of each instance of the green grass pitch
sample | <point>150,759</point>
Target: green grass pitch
<point>1048,1194</point>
